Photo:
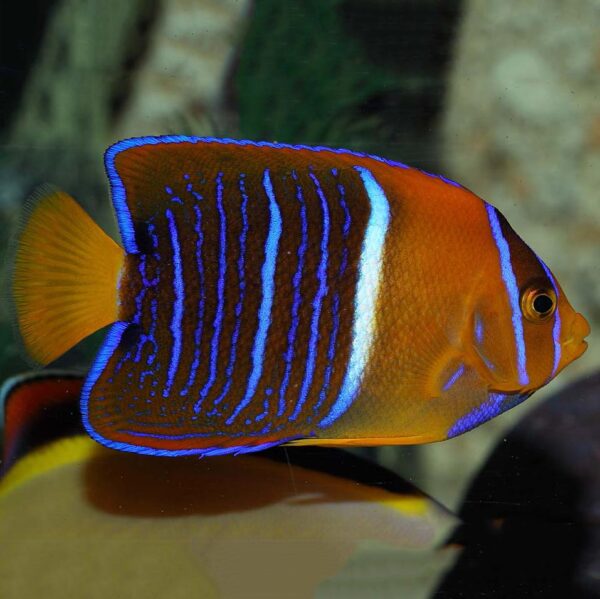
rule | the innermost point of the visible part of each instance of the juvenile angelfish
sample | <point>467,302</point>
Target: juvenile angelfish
<point>268,293</point>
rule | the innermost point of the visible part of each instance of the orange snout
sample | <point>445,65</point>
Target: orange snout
<point>575,344</point>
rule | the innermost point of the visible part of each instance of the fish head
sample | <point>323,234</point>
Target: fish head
<point>524,329</point>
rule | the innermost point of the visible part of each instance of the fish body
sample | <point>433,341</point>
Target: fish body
<point>268,293</point>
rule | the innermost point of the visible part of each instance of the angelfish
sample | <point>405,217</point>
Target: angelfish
<point>268,293</point>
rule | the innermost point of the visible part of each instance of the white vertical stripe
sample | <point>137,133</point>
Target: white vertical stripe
<point>367,291</point>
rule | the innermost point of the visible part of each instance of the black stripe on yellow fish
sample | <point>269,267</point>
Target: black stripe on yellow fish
<point>162,526</point>
<point>42,407</point>
<point>38,408</point>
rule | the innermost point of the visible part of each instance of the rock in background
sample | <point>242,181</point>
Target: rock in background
<point>65,112</point>
<point>522,129</point>
<point>113,69</point>
<point>178,87</point>
<point>542,482</point>
<point>102,71</point>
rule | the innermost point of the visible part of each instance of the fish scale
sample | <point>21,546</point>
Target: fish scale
<point>215,402</point>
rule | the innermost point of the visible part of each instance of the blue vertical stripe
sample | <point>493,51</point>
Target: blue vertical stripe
<point>218,321</point>
<point>177,316</point>
<point>367,291</point>
<point>557,322</point>
<point>336,302</point>
<point>512,289</point>
<point>201,302</point>
<point>150,337</point>
<point>296,281</point>
<point>268,290</point>
<point>240,304</point>
<point>317,302</point>
<point>140,299</point>
<point>330,353</point>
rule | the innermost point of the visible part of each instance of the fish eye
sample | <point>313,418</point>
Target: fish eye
<point>538,304</point>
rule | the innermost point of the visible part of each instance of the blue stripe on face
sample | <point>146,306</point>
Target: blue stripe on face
<point>367,290</point>
<point>240,303</point>
<point>556,329</point>
<point>496,404</point>
<point>510,282</point>
<point>317,302</point>
<point>201,302</point>
<point>268,289</point>
<point>291,336</point>
<point>218,321</point>
<point>478,329</point>
<point>459,372</point>
<point>177,305</point>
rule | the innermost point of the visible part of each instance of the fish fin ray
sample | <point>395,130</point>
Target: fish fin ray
<point>64,277</point>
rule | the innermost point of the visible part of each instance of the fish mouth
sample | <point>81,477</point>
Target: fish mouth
<point>574,351</point>
<point>580,327</point>
<point>575,345</point>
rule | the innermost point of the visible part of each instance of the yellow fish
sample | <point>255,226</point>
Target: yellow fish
<point>81,520</point>
<point>268,293</point>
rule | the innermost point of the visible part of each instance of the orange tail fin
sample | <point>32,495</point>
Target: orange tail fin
<point>65,276</point>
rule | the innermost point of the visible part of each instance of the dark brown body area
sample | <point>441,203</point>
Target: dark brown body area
<point>199,363</point>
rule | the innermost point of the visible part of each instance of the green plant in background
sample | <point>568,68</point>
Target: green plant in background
<point>302,79</point>
<point>11,360</point>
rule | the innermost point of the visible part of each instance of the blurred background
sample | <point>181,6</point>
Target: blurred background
<point>502,96</point>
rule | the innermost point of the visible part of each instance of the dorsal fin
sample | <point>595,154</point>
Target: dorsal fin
<point>146,171</point>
